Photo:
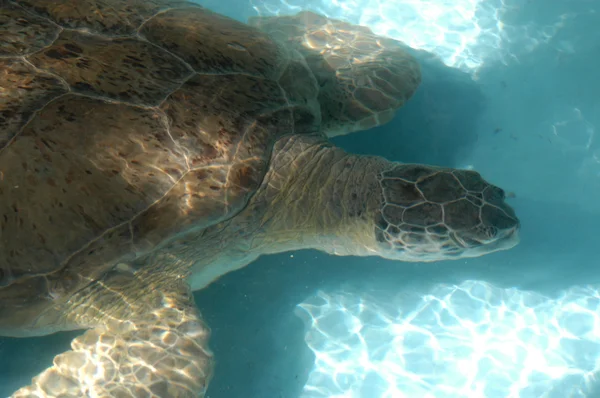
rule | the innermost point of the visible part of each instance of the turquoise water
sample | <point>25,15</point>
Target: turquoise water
<point>514,96</point>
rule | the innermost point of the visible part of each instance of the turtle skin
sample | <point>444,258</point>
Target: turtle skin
<point>126,123</point>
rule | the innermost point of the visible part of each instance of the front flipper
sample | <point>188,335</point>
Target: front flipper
<point>364,78</point>
<point>150,343</point>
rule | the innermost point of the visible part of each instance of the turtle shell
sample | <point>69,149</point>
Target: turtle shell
<point>123,124</point>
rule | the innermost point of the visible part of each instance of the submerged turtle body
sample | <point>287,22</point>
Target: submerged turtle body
<point>146,145</point>
<point>129,123</point>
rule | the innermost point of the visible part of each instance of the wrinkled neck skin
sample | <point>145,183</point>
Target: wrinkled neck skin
<point>314,196</point>
<point>320,197</point>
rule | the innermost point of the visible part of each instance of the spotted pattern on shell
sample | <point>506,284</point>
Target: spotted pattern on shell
<point>125,123</point>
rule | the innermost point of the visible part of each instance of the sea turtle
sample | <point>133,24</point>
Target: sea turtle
<point>148,147</point>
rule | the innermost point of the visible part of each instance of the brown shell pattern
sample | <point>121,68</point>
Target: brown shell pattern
<point>124,123</point>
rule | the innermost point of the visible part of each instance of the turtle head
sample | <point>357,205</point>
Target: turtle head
<point>344,204</point>
<point>428,214</point>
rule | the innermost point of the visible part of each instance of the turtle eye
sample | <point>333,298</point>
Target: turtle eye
<point>492,232</point>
